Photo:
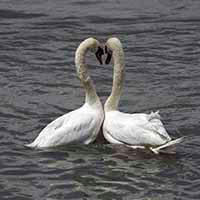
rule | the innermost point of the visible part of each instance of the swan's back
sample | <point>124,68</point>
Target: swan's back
<point>79,126</point>
<point>135,129</point>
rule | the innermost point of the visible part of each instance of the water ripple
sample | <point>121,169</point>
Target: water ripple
<point>12,14</point>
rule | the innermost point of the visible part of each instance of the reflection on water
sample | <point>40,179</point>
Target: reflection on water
<point>38,83</point>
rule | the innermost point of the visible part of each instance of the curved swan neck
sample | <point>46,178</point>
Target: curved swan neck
<point>118,75</point>
<point>82,70</point>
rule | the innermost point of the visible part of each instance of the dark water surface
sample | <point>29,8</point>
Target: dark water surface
<point>38,39</point>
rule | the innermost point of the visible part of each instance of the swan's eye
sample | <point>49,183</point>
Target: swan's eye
<point>109,55</point>
<point>99,54</point>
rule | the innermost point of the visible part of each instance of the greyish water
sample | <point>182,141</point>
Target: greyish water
<point>38,39</point>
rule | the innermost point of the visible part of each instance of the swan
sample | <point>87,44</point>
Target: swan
<point>81,125</point>
<point>138,130</point>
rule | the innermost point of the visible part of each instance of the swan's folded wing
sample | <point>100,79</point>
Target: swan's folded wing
<point>73,127</point>
<point>116,126</point>
<point>136,129</point>
<point>155,125</point>
<point>152,123</point>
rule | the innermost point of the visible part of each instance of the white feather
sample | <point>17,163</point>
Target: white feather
<point>79,126</point>
<point>134,129</point>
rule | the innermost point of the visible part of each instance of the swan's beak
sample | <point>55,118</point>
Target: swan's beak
<point>99,54</point>
<point>109,55</point>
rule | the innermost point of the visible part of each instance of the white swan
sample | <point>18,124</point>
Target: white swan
<point>81,125</point>
<point>134,130</point>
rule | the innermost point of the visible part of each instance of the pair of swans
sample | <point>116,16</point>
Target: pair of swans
<point>82,125</point>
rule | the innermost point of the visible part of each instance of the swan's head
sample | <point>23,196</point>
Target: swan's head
<point>112,44</point>
<point>95,47</point>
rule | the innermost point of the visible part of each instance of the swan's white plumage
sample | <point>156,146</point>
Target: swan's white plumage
<point>78,126</point>
<point>134,130</point>
<point>81,125</point>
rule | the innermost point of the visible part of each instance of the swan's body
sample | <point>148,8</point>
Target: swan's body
<point>134,130</point>
<point>81,125</point>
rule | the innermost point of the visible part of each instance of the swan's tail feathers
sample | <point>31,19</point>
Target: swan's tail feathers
<point>167,148</point>
<point>31,145</point>
<point>154,115</point>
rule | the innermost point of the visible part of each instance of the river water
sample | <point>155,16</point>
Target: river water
<point>38,39</point>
